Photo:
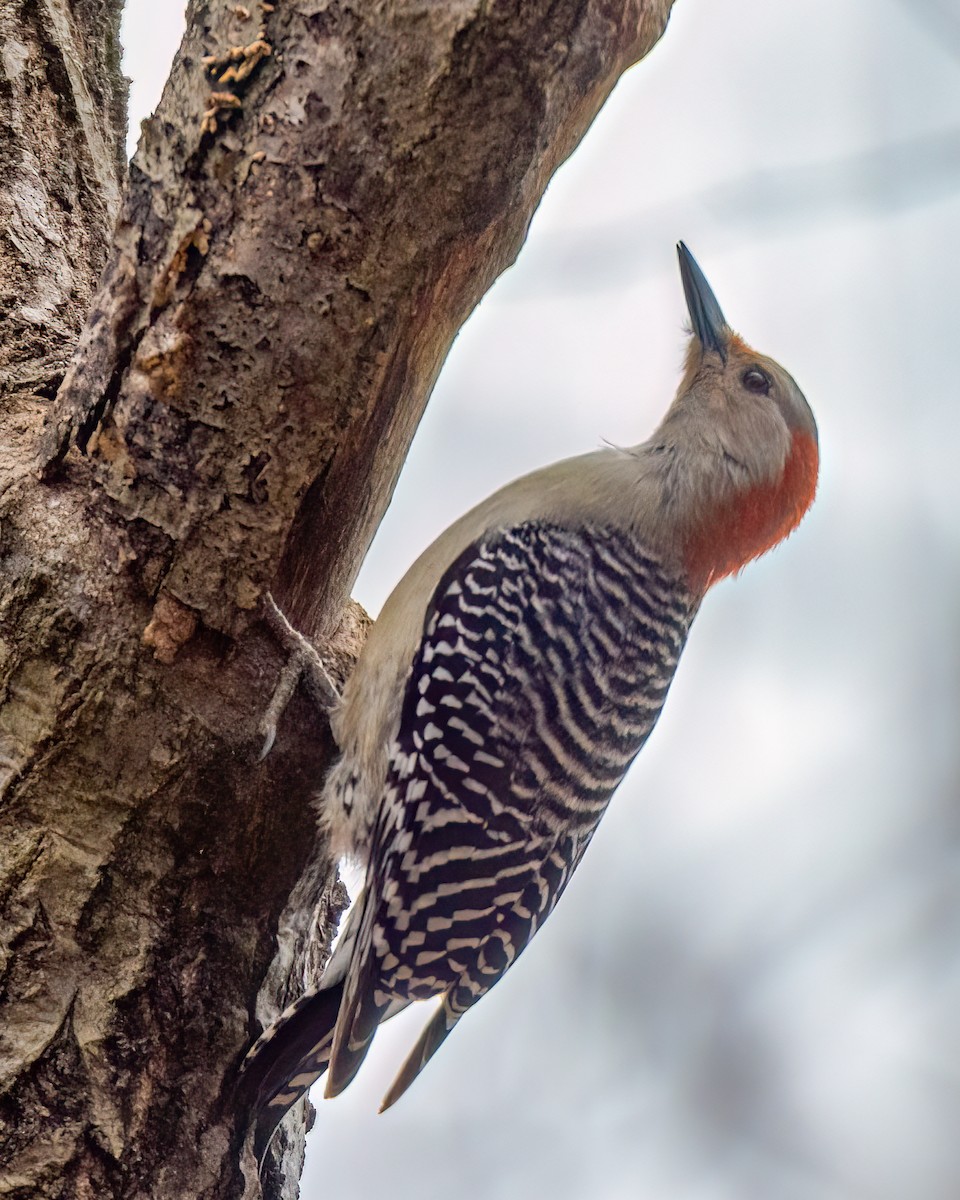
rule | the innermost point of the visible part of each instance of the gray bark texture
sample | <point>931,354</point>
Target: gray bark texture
<point>323,195</point>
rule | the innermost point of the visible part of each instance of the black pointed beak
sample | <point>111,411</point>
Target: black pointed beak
<point>708,322</point>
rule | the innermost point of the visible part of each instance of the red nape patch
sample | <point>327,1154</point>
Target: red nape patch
<point>755,521</point>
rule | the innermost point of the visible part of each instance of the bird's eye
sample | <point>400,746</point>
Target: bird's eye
<point>755,380</point>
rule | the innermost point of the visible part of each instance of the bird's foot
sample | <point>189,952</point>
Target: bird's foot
<point>303,662</point>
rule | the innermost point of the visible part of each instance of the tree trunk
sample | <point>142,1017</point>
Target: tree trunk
<point>324,194</point>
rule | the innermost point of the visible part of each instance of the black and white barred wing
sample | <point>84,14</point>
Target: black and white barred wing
<point>546,657</point>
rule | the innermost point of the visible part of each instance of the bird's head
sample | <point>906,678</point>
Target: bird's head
<point>738,446</point>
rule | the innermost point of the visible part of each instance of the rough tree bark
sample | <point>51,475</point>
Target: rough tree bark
<point>325,193</point>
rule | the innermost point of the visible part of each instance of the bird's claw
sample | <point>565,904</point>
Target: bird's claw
<point>303,662</point>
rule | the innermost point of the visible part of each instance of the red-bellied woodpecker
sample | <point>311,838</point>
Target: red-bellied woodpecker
<point>513,675</point>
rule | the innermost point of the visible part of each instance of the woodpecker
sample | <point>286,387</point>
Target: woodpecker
<point>513,675</point>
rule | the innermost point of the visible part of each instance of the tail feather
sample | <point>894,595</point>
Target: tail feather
<point>294,1051</point>
<point>428,1043</point>
<point>291,1056</point>
<point>288,1058</point>
<point>362,1011</point>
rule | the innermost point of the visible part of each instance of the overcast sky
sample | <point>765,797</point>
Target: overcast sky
<point>751,988</point>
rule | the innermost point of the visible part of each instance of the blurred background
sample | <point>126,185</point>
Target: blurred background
<point>752,987</point>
